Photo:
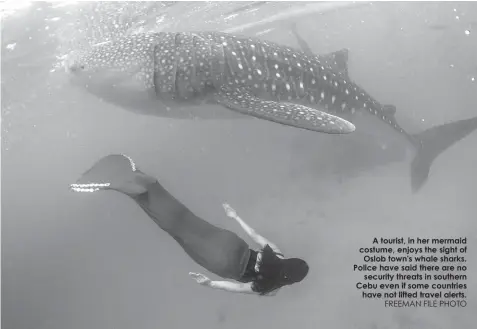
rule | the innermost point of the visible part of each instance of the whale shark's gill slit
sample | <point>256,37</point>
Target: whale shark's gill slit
<point>155,74</point>
<point>172,76</point>
<point>195,41</point>
<point>180,74</point>
<point>177,39</point>
<point>218,64</point>
<point>227,65</point>
<point>198,48</point>
<point>164,76</point>
<point>195,79</point>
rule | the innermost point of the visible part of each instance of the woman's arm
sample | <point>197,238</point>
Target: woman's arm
<point>238,287</point>
<point>233,286</point>
<point>260,240</point>
<point>223,285</point>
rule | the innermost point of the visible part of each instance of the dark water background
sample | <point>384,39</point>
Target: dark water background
<point>96,261</point>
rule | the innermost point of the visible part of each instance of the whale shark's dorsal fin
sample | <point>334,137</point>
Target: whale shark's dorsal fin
<point>337,60</point>
<point>340,58</point>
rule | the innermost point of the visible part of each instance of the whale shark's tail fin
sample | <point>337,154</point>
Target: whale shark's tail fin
<point>434,141</point>
<point>114,172</point>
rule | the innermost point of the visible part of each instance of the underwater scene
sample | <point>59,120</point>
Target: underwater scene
<point>302,164</point>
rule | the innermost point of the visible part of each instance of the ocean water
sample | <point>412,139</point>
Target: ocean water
<point>96,261</point>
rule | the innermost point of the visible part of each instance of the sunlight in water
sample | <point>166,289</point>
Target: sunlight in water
<point>11,7</point>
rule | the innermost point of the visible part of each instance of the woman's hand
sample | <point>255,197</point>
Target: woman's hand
<point>200,278</point>
<point>222,285</point>
<point>229,211</point>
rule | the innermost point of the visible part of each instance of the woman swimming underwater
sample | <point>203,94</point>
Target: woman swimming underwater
<point>218,250</point>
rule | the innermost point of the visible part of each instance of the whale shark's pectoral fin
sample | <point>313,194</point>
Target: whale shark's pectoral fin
<point>243,101</point>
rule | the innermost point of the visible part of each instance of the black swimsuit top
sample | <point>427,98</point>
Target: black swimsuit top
<point>260,283</point>
<point>250,274</point>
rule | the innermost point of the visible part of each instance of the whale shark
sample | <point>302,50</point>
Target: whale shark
<point>184,70</point>
<point>252,77</point>
<point>354,154</point>
<point>422,147</point>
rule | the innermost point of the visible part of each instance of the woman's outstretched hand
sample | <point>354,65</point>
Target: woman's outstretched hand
<point>200,278</point>
<point>229,211</point>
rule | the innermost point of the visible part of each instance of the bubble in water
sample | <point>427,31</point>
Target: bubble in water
<point>467,32</point>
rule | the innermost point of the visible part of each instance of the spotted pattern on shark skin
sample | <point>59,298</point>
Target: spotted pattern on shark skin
<point>289,113</point>
<point>336,61</point>
<point>132,56</point>
<point>165,67</point>
<point>183,69</point>
<point>291,75</point>
<point>191,78</point>
<point>270,70</point>
<point>428,144</point>
<point>243,74</point>
<point>187,73</point>
<point>340,65</point>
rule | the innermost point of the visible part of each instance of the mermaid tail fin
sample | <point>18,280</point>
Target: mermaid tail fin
<point>114,172</point>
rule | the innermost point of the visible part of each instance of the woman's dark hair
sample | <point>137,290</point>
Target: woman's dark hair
<point>276,272</point>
